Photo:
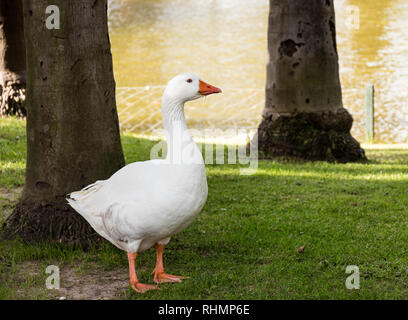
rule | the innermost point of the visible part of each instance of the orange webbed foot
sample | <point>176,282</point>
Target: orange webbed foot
<point>142,287</point>
<point>161,277</point>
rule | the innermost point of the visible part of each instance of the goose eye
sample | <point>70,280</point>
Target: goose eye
<point>189,80</point>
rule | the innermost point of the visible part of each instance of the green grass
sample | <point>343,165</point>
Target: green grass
<point>244,243</point>
<point>12,152</point>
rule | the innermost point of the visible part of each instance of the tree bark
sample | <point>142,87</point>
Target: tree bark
<point>304,115</point>
<point>73,134</point>
<point>12,59</point>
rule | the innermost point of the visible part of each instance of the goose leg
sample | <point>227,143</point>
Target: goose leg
<point>159,275</point>
<point>134,282</point>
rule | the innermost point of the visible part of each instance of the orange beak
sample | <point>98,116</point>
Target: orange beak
<point>206,89</point>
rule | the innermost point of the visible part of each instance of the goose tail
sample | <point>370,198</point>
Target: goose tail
<point>86,201</point>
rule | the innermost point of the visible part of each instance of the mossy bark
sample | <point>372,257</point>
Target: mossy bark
<point>310,136</point>
<point>73,134</point>
<point>12,59</point>
<point>304,115</point>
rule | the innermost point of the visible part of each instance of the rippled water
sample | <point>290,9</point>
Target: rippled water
<point>224,42</point>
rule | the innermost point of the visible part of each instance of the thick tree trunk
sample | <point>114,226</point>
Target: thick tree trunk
<point>72,124</point>
<point>304,115</point>
<point>12,59</point>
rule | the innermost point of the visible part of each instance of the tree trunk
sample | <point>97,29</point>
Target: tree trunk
<point>12,59</point>
<point>72,124</point>
<point>304,115</point>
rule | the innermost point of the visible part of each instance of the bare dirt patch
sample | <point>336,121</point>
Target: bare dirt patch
<point>95,284</point>
<point>92,283</point>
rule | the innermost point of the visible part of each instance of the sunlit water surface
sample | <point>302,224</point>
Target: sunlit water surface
<point>224,42</point>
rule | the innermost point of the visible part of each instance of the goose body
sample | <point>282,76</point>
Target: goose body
<point>145,203</point>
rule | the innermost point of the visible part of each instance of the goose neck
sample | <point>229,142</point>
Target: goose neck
<point>173,113</point>
<point>175,126</point>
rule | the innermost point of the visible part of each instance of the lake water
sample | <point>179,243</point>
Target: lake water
<point>224,42</point>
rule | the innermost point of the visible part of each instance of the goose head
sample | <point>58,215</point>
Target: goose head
<point>187,87</point>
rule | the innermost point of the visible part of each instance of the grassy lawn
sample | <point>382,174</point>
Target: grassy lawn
<point>245,242</point>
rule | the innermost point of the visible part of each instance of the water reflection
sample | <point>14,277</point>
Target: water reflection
<point>375,53</point>
<point>224,41</point>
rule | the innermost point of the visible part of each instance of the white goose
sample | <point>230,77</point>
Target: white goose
<point>145,203</point>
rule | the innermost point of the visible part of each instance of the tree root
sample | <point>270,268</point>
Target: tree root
<point>309,136</point>
<point>51,223</point>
